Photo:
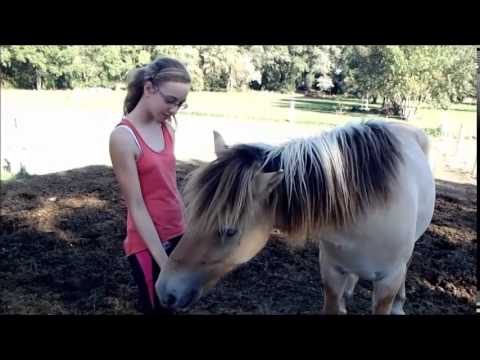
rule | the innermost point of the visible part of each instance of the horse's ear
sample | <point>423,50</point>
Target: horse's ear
<point>220,146</point>
<point>266,182</point>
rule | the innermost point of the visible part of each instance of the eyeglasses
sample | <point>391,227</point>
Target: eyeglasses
<point>172,100</point>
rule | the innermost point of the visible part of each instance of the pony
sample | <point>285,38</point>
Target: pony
<point>364,191</point>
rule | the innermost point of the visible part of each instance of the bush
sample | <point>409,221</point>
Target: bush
<point>254,85</point>
<point>6,83</point>
<point>435,132</point>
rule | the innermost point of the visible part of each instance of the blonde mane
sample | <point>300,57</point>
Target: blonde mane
<point>220,194</point>
<point>330,180</point>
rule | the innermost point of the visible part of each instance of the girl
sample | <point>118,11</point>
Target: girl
<point>141,150</point>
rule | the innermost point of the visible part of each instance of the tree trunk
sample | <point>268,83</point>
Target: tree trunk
<point>403,109</point>
<point>306,81</point>
<point>408,109</point>
<point>365,102</point>
<point>412,110</point>
<point>263,80</point>
<point>38,84</point>
<point>229,80</point>
<point>396,108</point>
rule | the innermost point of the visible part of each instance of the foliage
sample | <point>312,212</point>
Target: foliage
<point>403,77</point>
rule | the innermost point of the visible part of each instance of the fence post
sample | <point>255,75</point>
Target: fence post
<point>444,125</point>
<point>291,111</point>
<point>474,170</point>
<point>460,140</point>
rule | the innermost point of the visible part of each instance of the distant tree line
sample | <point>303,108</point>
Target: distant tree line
<point>400,77</point>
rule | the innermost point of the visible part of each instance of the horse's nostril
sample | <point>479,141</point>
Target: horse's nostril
<point>171,300</point>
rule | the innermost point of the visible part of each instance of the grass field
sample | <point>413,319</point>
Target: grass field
<point>252,105</point>
<point>49,122</point>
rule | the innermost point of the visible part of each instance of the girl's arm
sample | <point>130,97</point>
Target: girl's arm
<point>122,154</point>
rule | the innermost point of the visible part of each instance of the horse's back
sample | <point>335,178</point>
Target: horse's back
<point>408,130</point>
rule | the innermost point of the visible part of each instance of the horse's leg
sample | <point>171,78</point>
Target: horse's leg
<point>334,285</point>
<point>352,280</point>
<point>350,284</point>
<point>397,307</point>
<point>386,289</point>
<point>400,298</point>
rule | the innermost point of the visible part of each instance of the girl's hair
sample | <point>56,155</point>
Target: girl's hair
<point>161,70</point>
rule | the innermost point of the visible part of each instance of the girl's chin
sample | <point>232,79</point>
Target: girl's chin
<point>163,118</point>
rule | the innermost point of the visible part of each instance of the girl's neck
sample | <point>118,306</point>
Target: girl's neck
<point>140,117</point>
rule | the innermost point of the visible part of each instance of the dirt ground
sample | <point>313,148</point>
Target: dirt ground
<point>60,253</point>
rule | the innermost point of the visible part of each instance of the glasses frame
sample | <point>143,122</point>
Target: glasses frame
<point>180,105</point>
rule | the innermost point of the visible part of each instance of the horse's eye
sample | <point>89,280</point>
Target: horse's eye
<point>227,232</point>
<point>230,232</point>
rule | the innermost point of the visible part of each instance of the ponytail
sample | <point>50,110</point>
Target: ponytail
<point>135,81</point>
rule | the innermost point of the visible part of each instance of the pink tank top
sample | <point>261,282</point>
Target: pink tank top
<point>157,174</point>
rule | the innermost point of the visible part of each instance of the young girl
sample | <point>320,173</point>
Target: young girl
<point>141,150</point>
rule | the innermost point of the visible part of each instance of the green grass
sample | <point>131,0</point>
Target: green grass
<point>6,176</point>
<point>275,107</point>
<point>250,105</point>
<point>268,106</point>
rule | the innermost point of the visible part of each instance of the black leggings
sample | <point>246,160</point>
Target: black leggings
<point>145,271</point>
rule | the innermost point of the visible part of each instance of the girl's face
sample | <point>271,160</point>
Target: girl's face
<point>166,99</point>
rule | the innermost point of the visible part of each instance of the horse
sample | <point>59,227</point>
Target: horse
<point>364,191</point>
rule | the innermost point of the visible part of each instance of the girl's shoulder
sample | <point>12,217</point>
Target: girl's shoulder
<point>122,137</point>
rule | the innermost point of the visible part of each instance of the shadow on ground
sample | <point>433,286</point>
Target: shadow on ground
<point>61,253</point>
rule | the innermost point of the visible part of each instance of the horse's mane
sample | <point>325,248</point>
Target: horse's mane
<point>329,180</point>
<point>219,194</point>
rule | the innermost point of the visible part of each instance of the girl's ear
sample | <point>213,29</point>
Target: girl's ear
<point>148,88</point>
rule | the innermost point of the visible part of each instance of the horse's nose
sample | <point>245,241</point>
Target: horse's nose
<point>180,301</point>
<point>171,300</point>
<point>178,292</point>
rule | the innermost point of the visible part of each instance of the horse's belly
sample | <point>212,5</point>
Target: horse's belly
<point>381,241</point>
<point>369,263</point>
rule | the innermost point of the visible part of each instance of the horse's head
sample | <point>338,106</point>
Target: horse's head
<point>229,219</point>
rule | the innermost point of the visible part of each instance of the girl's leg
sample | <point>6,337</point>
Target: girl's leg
<point>142,271</point>
<point>145,272</point>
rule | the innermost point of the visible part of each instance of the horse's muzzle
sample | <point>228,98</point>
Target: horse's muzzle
<point>171,301</point>
<point>179,291</point>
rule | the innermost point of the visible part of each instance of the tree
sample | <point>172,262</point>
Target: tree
<point>408,76</point>
<point>226,67</point>
<point>366,70</point>
<point>189,56</point>
<point>404,76</point>
<point>435,75</point>
<point>461,73</point>
<point>27,65</point>
<point>276,66</point>
<point>313,61</point>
